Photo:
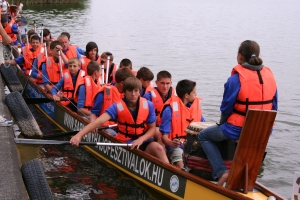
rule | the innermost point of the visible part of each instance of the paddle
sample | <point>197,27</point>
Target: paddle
<point>74,132</point>
<point>36,141</point>
<point>43,100</point>
<point>26,83</point>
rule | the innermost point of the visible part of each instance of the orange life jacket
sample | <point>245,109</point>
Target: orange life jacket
<point>29,57</point>
<point>71,52</point>
<point>91,88</point>
<point>182,116</point>
<point>158,101</point>
<point>111,95</point>
<point>53,70</point>
<point>8,30</point>
<point>128,127</point>
<point>41,58</point>
<point>68,87</point>
<point>257,91</point>
<point>85,61</point>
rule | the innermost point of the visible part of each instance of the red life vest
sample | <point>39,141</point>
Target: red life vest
<point>128,127</point>
<point>71,52</point>
<point>41,58</point>
<point>8,30</point>
<point>91,88</point>
<point>68,87</point>
<point>53,70</point>
<point>182,116</point>
<point>158,101</point>
<point>257,91</point>
<point>85,61</point>
<point>29,57</point>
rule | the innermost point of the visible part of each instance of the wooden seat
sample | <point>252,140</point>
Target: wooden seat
<point>250,149</point>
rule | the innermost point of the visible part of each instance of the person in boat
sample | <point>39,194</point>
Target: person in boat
<point>37,63</point>
<point>107,95</point>
<point>67,84</point>
<point>4,5</point>
<point>11,28</point>
<point>125,63</point>
<point>6,39</point>
<point>131,107</point>
<point>86,89</point>
<point>159,95</point>
<point>47,35</point>
<point>145,75</point>
<point>178,112</point>
<point>251,85</point>
<point>81,51</point>
<point>91,54</point>
<point>68,50</point>
<point>28,55</point>
<point>112,66</point>
<point>51,72</point>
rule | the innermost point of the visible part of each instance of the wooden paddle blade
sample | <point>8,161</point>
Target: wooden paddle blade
<point>60,134</point>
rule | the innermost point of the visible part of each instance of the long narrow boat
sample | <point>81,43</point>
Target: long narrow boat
<point>163,177</point>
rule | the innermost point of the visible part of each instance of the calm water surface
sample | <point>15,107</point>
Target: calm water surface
<point>198,40</point>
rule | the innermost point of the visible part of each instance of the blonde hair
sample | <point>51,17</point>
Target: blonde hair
<point>74,60</point>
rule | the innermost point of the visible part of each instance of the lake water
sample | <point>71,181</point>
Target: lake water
<point>199,40</point>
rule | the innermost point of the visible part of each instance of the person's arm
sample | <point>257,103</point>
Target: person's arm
<point>56,88</point>
<point>150,133</point>
<point>81,101</point>
<point>6,39</point>
<point>45,78</point>
<point>96,109</point>
<point>148,96</point>
<point>91,126</point>
<point>80,51</point>
<point>15,28</point>
<point>275,101</point>
<point>34,72</point>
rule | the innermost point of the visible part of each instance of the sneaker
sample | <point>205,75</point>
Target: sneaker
<point>5,122</point>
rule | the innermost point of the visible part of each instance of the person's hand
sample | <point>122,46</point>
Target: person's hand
<point>60,94</point>
<point>56,98</point>
<point>176,142</point>
<point>95,131</point>
<point>58,47</point>
<point>75,140</point>
<point>137,143</point>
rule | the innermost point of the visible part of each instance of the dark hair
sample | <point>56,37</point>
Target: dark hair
<point>46,32</point>
<point>92,66</point>
<point>163,74</point>
<point>54,44</point>
<point>90,46</point>
<point>126,63</point>
<point>48,42</point>
<point>4,18</point>
<point>145,74</point>
<point>35,37</point>
<point>66,34</point>
<point>250,51</point>
<point>122,74</point>
<point>184,87</point>
<point>132,83</point>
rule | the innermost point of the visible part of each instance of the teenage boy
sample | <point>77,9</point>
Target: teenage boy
<point>107,95</point>
<point>87,88</point>
<point>131,111</point>
<point>145,75</point>
<point>68,83</point>
<point>178,112</point>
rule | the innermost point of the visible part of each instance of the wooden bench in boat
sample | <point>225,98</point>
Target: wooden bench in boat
<point>250,149</point>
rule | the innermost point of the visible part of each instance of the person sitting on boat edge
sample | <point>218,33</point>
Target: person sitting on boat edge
<point>145,75</point>
<point>159,95</point>
<point>178,112</point>
<point>129,112</point>
<point>86,89</point>
<point>112,66</point>
<point>109,94</point>
<point>37,64</point>
<point>68,83</point>
<point>91,54</point>
<point>68,50</point>
<point>27,58</point>
<point>250,86</point>
<point>51,72</point>
<point>81,51</point>
<point>11,28</point>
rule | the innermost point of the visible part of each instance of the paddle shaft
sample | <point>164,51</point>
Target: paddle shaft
<point>36,141</point>
<point>26,83</point>
<point>43,100</point>
<point>75,132</point>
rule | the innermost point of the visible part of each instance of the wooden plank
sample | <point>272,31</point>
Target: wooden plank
<point>250,150</point>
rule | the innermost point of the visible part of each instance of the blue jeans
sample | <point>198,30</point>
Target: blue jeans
<point>207,138</point>
<point>111,131</point>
